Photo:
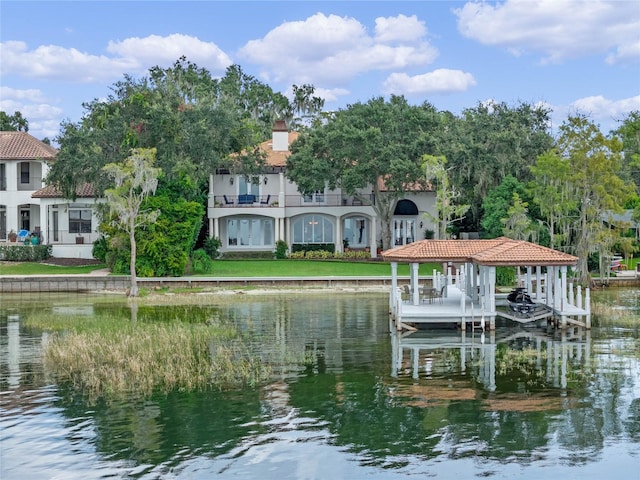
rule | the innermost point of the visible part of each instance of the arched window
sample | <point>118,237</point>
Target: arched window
<point>405,216</point>
<point>313,229</point>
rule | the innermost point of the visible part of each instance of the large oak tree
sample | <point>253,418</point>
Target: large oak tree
<point>379,144</point>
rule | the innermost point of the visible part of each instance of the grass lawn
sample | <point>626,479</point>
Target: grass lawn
<point>244,268</point>
<point>28,268</point>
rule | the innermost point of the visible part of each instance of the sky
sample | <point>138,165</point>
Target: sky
<point>573,56</point>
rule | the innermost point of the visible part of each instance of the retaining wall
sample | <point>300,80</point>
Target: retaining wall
<point>94,283</point>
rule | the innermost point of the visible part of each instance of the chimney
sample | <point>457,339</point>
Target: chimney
<point>280,141</point>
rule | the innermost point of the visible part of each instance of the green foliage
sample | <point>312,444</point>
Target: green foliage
<point>363,143</point>
<point>100,249</point>
<point>447,211</point>
<point>496,206</point>
<point>212,247</point>
<point>505,276</point>
<point>164,246</point>
<point>259,255</point>
<point>313,247</point>
<point>629,134</point>
<point>193,120</point>
<point>13,123</point>
<point>488,143</point>
<point>201,262</point>
<point>590,187</point>
<point>281,249</point>
<point>25,253</point>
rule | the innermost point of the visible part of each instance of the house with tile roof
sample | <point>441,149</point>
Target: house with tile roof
<point>252,214</point>
<point>27,204</point>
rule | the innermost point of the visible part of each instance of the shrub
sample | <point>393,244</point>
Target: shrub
<point>201,262</point>
<point>281,249</point>
<point>313,247</point>
<point>25,253</point>
<point>212,247</point>
<point>100,249</point>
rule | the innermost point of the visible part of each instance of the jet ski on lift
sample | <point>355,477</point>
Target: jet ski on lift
<point>520,301</point>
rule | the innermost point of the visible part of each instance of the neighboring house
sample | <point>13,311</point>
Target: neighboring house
<point>251,214</point>
<point>27,204</point>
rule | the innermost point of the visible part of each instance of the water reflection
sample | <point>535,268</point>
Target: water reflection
<point>348,399</point>
<point>544,355</point>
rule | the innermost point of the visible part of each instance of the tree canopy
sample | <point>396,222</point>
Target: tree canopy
<point>194,122</point>
<point>377,144</point>
<point>580,177</point>
<point>489,142</point>
<point>13,123</point>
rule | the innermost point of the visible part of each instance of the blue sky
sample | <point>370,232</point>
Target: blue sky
<point>573,56</point>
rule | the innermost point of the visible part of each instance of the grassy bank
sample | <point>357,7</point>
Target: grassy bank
<point>28,268</point>
<point>245,268</point>
<point>109,357</point>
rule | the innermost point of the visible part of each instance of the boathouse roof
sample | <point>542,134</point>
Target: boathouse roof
<point>500,251</point>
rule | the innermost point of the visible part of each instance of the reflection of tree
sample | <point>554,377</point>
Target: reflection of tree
<point>161,429</point>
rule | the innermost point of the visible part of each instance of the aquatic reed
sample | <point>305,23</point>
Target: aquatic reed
<point>109,358</point>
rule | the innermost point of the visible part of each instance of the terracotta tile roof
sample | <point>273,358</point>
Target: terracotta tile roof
<point>22,146</point>
<point>498,252</point>
<point>277,158</point>
<point>419,186</point>
<point>83,191</point>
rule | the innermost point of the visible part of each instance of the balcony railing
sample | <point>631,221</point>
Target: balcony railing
<point>258,201</point>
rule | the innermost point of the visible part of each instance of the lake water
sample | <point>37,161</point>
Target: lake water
<point>348,400</point>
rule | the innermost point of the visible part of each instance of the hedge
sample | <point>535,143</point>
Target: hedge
<point>25,253</point>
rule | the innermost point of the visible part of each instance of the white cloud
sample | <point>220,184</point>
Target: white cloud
<point>332,50</point>
<point>52,62</point>
<point>399,29</point>
<point>164,51</point>
<point>600,107</point>
<point>624,53</point>
<point>43,116</point>
<point>132,56</point>
<point>556,29</point>
<point>440,81</point>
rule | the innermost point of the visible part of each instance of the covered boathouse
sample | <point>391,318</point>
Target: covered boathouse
<point>465,291</point>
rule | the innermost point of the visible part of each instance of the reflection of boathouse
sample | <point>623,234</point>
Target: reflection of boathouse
<point>551,357</point>
<point>466,291</point>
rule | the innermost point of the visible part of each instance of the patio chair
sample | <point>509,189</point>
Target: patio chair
<point>227,201</point>
<point>434,294</point>
<point>265,201</point>
<point>406,293</point>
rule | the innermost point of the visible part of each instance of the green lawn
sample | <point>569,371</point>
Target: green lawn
<point>27,268</point>
<point>245,268</point>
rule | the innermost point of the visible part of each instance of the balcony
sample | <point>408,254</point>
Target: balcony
<point>317,200</point>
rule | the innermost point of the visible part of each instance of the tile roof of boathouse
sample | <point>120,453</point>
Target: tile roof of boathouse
<point>497,252</point>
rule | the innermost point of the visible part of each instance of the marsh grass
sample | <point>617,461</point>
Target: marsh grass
<point>109,357</point>
<point>614,316</point>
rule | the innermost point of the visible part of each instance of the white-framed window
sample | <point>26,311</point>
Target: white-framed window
<point>80,220</point>
<point>250,232</point>
<point>313,229</point>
